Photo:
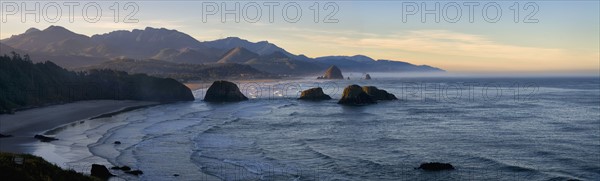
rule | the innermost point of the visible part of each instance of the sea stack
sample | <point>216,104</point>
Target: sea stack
<point>354,95</point>
<point>367,77</point>
<point>378,94</point>
<point>314,94</point>
<point>333,72</point>
<point>224,91</point>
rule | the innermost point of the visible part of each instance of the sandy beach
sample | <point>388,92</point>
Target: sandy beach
<point>25,124</point>
<point>65,152</point>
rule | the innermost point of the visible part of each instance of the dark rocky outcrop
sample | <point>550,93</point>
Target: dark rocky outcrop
<point>159,89</point>
<point>333,72</point>
<point>135,172</point>
<point>224,91</point>
<point>314,94</point>
<point>117,142</point>
<point>378,94</point>
<point>367,77</point>
<point>124,168</point>
<point>44,138</point>
<point>354,95</point>
<point>436,166</point>
<point>100,171</point>
<point>5,136</point>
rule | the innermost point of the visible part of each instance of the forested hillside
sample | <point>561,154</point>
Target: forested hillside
<point>184,72</point>
<point>24,84</point>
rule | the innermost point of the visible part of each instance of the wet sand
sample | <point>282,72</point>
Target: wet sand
<point>25,124</point>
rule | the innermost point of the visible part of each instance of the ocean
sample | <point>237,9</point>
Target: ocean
<point>488,128</point>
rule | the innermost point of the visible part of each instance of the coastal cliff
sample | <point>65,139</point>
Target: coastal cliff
<point>24,84</point>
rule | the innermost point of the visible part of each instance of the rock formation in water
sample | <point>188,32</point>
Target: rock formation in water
<point>333,73</point>
<point>134,172</point>
<point>436,166</point>
<point>224,91</point>
<point>314,94</point>
<point>124,168</point>
<point>367,77</point>
<point>378,94</point>
<point>354,95</point>
<point>43,138</point>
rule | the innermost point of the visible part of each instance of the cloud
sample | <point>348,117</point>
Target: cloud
<point>442,42</point>
<point>454,51</point>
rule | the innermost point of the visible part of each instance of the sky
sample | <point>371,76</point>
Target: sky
<point>472,37</point>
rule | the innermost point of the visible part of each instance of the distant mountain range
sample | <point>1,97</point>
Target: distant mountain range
<point>73,51</point>
<point>363,63</point>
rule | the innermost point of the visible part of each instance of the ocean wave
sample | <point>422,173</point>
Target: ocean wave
<point>237,169</point>
<point>287,105</point>
<point>255,167</point>
<point>445,111</point>
<point>495,165</point>
<point>279,125</point>
<point>329,160</point>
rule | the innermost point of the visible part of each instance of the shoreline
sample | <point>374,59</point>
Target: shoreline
<point>124,110</point>
<point>47,120</point>
<point>23,125</point>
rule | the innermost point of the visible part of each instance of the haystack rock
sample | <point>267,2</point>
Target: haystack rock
<point>314,94</point>
<point>378,94</point>
<point>333,73</point>
<point>224,91</point>
<point>368,77</point>
<point>354,95</point>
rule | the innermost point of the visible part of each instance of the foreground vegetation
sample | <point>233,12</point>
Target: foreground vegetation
<point>29,167</point>
<point>24,84</point>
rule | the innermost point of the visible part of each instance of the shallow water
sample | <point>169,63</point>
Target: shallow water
<point>488,128</point>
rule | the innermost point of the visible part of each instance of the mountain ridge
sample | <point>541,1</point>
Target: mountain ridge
<point>72,50</point>
<point>238,55</point>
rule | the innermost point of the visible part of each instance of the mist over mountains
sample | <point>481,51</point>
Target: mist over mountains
<point>74,51</point>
